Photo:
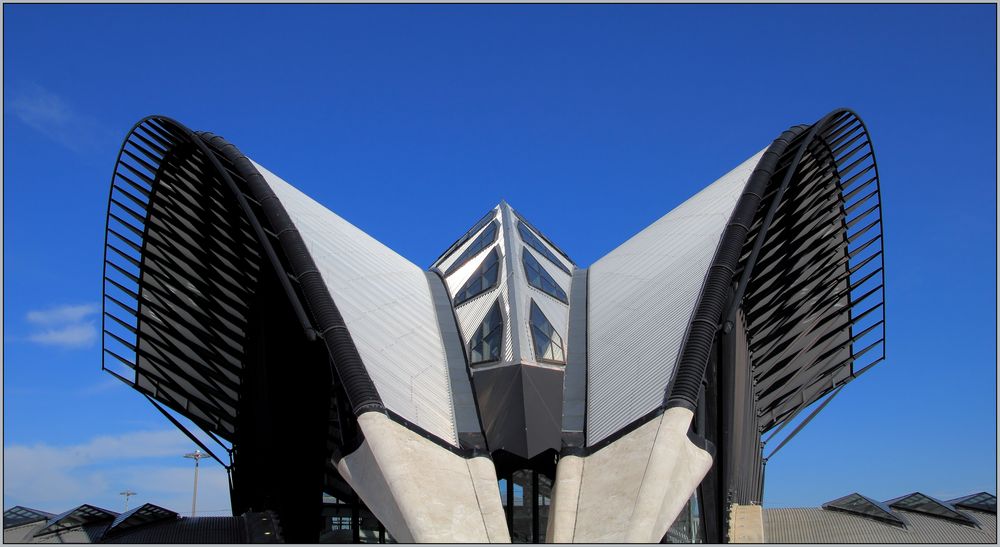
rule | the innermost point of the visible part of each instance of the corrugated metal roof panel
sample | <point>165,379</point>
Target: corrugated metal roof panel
<point>823,526</point>
<point>387,307</point>
<point>641,298</point>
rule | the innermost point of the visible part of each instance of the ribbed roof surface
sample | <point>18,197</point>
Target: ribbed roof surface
<point>823,526</point>
<point>247,528</point>
<point>642,295</point>
<point>188,530</point>
<point>387,306</point>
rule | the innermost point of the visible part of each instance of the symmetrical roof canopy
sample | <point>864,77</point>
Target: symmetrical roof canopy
<point>504,345</point>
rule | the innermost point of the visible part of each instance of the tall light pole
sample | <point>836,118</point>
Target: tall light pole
<point>126,494</point>
<point>197,455</point>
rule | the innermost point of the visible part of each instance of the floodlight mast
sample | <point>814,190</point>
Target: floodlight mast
<point>197,455</point>
<point>126,494</point>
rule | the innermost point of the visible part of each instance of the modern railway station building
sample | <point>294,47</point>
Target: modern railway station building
<point>504,393</point>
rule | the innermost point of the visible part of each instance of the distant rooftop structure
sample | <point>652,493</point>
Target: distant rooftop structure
<point>913,518</point>
<point>148,523</point>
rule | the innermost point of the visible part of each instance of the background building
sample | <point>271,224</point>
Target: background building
<point>505,393</point>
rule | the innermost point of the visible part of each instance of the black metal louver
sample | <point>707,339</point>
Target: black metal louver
<point>815,300</point>
<point>181,266</point>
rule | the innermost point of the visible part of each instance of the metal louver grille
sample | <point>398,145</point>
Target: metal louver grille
<point>181,265</point>
<point>814,302</point>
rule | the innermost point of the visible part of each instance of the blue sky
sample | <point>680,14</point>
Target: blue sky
<point>592,121</point>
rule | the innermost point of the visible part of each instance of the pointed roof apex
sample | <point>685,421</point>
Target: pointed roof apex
<point>866,507</point>
<point>922,503</point>
<point>18,515</point>
<point>983,501</point>
<point>78,516</point>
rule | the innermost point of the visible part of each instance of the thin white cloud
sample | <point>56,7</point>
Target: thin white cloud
<point>56,478</point>
<point>49,114</point>
<point>66,327</point>
<point>62,314</point>
<point>70,336</point>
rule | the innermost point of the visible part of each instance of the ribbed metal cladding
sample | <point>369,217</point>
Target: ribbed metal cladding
<point>387,309</point>
<point>825,526</point>
<point>715,294</point>
<point>466,414</point>
<point>641,299</point>
<point>575,385</point>
<point>358,387</point>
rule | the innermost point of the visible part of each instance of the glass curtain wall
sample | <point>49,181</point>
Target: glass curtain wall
<point>349,521</point>
<point>526,496</point>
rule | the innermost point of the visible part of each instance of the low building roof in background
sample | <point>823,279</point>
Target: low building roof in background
<point>913,518</point>
<point>147,523</point>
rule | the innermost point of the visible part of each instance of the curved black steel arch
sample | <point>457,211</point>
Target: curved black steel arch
<point>709,315</point>
<point>358,386</point>
<point>330,327</point>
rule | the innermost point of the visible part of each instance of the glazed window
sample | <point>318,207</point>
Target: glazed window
<point>485,344</point>
<point>540,279</point>
<point>483,279</point>
<point>531,240</point>
<point>548,343</point>
<point>485,239</point>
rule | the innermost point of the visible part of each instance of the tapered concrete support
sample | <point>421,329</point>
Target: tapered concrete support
<point>634,488</point>
<point>422,492</point>
<point>565,497</point>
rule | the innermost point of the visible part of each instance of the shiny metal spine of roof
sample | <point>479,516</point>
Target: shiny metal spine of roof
<point>644,291</point>
<point>387,306</point>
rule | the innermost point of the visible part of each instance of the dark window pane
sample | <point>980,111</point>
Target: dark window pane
<point>483,279</point>
<point>484,240</point>
<point>548,342</point>
<point>687,526</point>
<point>544,500</point>
<point>922,503</point>
<point>523,497</point>
<point>472,231</point>
<point>17,515</point>
<point>540,279</point>
<point>982,501</point>
<point>866,507</point>
<point>531,240</point>
<point>485,344</point>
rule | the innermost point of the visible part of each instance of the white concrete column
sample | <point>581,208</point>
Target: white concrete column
<point>565,498</point>
<point>423,492</point>
<point>675,468</point>
<point>632,489</point>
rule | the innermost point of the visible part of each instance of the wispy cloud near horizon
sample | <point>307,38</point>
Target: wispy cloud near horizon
<point>59,477</point>
<point>64,326</point>
<point>47,113</point>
